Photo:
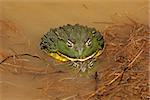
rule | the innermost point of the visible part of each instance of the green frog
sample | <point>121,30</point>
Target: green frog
<point>77,44</point>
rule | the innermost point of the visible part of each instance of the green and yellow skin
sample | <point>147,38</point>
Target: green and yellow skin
<point>77,44</point>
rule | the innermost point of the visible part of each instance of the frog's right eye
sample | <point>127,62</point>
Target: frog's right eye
<point>88,42</point>
<point>70,44</point>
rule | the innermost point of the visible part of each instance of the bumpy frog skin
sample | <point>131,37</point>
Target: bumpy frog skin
<point>77,44</point>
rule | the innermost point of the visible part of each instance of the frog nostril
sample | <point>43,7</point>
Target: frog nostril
<point>80,50</point>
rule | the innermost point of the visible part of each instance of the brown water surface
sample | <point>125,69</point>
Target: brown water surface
<point>22,25</point>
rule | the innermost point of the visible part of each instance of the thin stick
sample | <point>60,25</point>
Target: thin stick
<point>70,97</point>
<point>130,19</point>
<point>98,22</point>
<point>11,56</point>
<point>118,76</point>
<point>85,6</point>
<point>135,58</point>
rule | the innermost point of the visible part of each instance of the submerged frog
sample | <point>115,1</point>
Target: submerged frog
<point>77,44</point>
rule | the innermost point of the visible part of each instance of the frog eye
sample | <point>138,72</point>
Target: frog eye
<point>70,44</point>
<point>88,42</point>
<point>93,32</point>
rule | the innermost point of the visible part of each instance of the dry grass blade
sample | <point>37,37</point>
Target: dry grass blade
<point>100,22</point>
<point>17,55</point>
<point>70,97</point>
<point>101,89</point>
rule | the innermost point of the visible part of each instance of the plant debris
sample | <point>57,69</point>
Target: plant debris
<point>123,69</point>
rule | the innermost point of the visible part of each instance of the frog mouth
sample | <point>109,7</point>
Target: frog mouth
<point>61,57</point>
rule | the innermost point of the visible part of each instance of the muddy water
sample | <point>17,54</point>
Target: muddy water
<point>23,23</point>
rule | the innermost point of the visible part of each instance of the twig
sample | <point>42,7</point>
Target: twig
<point>130,19</point>
<point>48,84</point>
<point>135,58</point>
<point>118,76</point>
<point>100,22</point>
<point>11,56</point>
<point>70,97</point>
<point>1,68</point>
<point>9,83</point>
<point>85,6</point>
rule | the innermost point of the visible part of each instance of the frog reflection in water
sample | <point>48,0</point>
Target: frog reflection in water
<point>79,45</point>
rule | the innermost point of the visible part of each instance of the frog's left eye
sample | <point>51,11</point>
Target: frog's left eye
<point>70,44</point>
<point>88,42</point>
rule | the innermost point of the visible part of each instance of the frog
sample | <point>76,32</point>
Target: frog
<point>78,45</point>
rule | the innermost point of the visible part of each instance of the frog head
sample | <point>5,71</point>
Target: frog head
<point>73,43</point>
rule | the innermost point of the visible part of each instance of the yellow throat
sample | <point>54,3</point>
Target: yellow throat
<point>64,58</point>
